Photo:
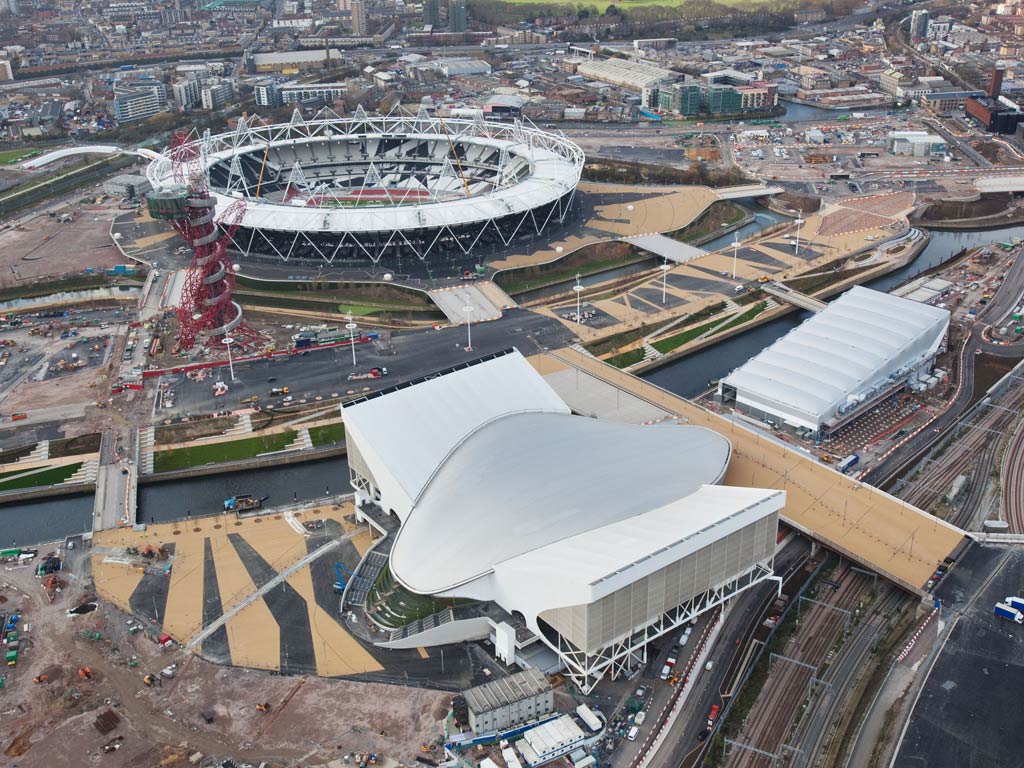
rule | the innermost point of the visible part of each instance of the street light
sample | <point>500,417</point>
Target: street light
<point>664,278</point>
<point>799,221</point>
<point>351,328</point>
<point>468,309</point>
<point>735,250</point>
<point>227,341</point>
<point>579,292</point>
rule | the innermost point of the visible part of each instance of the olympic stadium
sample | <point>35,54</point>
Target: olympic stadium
<point>414,195</point>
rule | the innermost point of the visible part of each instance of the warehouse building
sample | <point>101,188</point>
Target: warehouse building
<point>916,144</point>
<point>636,75</point>
<point>840,362</point>
<point>540,527</point>
<point>509,701</point>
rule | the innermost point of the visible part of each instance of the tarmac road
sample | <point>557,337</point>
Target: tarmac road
<point>323,372</point>
<point>681,746</point>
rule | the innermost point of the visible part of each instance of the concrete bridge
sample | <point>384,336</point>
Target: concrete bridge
<point>797,299</point>
<point>745,191</point>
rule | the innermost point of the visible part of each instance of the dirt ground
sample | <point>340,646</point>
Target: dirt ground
<point>311,722</point>
<point>88,385</point>
<point>27,255</point>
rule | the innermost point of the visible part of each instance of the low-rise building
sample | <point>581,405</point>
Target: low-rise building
<point>916,144</point>
<point>509,701</point>
<point>550,740</point>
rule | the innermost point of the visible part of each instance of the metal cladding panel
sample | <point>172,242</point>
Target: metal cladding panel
<point>597,625</point>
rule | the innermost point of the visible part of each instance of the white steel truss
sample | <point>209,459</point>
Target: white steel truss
<point>586,670</point>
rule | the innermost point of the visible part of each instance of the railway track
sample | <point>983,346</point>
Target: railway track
<point>816,730</point>
<point>972,454</point>
<point>1013,480</point>
<point>769,722</point>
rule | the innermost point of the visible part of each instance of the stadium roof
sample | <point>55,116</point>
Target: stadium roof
<point>526,481</point>
<point>555,165</point>
<point>851,346</point>
<point>650,541</point>
<point>407,434</point>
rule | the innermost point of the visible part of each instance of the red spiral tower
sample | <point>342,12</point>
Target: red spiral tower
<point>206,311</point>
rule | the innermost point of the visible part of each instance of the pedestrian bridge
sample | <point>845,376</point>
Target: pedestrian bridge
<point>748,190</point>
<point>797,299</point>
<point>667,248</point>
<point>98,149</point>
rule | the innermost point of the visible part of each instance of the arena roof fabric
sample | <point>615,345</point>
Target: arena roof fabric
<point>406,434</point>
<point>853,345</point>
<point>524,481</point>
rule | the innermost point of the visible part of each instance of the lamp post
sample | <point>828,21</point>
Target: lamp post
<point>799,221</point>
<point>664,278</point>
<point>735,251</point>
<point>227,341</point>
<point>351,328</point>
<point>578,288</point>
<point>468,309</point>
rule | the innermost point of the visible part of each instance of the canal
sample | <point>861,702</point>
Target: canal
<point>48,520</point>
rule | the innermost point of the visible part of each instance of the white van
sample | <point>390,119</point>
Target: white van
<point>633,732</point>
<point>639,717</point>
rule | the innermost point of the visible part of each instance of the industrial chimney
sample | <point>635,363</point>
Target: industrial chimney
<point>995,88</point>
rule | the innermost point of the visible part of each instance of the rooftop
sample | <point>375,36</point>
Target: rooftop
<point>506,690</point>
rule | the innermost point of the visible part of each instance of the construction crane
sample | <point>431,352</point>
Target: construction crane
<point>206,311</point>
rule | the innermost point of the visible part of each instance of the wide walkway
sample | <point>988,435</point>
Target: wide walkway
<point>785,252</point>
<point>898,541</point>
<point>214,567</point>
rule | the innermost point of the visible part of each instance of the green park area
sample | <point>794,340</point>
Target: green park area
<point>215,453</point>
<point>54,476</point>
<point>327,434</point>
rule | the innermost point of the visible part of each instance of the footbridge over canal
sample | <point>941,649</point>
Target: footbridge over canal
<point>899,542</point>
<point>783,292</point>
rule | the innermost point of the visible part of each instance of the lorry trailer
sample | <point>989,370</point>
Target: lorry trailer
<point>1004,611</point>
<point>1016,603</point>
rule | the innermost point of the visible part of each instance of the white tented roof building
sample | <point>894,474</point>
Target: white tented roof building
<point>599,536</point>
<point>863,345</point>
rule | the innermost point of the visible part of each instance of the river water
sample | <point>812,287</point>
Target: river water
<point>47,520</point>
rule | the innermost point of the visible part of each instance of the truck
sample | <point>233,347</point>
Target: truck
<point>375,373</point>
<point>1004,611</point>
<point>276,391</point>
<point>848,463</point>
<point>1017,603</point>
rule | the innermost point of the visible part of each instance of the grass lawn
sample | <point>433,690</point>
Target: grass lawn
<point>197,456</point>
<point>513,283</point>
<point>13,154</point>
<point>750,314</point>
<point>327,434</point>
<point>627,359</point>
<point>709,222</point>
<point>13,472</point>
<point>53,476</point>
<point>677,340</point>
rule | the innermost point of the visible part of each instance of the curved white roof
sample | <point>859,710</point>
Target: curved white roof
<point>555,168</point>
<point>854,344</point>
<point>528,480</point>
<point>404,435</point>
